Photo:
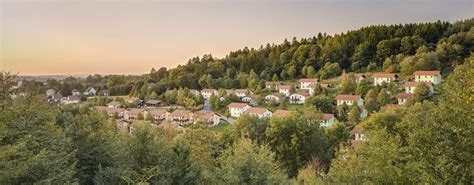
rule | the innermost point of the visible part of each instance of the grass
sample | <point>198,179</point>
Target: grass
<point>221,127</point>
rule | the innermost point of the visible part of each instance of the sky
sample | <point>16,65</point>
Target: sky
<point>40,37</point>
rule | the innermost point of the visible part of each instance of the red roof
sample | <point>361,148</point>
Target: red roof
<point>303,92</point>
<point>257,110</point>
<point>240,91</point>
<point>357,129</point>
<point>135,111</point>
<point>180,113</point>
<point>157,112</point>
<point>206,115</point>
<point>113,103</point>
<point>73,98</point>
<point>281,112</point>
<point>434,73</point>
<point>312,80</point>
<point>328,116</point>
<point>404,95</point>
<point>347,97</point>
<point>209,90</point>
<point>284,86</point>
<point>276,83</point>
<point>237,105</point>
<point>414,84</point>
<point>384,75</point>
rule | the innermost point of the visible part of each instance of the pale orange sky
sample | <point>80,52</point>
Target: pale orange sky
<point>131,37</point>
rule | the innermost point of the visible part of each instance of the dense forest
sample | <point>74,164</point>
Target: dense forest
<point>427,141</point>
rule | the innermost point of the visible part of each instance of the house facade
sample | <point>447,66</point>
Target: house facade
<point>90,91</point>
<point>259,112</point>
<point>181,117</point>
<point>208,117</point>
<point>403,97</point>
<point>158,115</point>
<point>381,78</point>
<point>207,93</point>
<point>273,97</point>
<point>132,114</point>
<point>349,100</point>
<point>237,109</point>
<point>284,89</point>
<point>328,120</point>
<point>305,83</point>
<point>411,86</point>
<point>358,133</point>
<point>428,76</point>
<point>299,97</point>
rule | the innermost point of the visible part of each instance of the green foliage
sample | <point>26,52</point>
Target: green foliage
<point>371,103</point>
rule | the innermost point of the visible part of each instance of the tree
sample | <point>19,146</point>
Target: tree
<point>275,78</point>
<point>348,84</point>
<point>248,163</point>
<point>371,101</point>
<point>422,92</point>
<point>363,87</point>
<point>153,96</point>
<point>320,102</point>
<point>140,116</point>
<point>383,97</point>
<point>354,114</point>
<point>421,61</point>
<point>182,171</point>
<point>342,112</point>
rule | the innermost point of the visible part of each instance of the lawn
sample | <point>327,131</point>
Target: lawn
<point>221,127</point>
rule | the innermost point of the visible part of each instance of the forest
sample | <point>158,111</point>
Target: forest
<point>427,141</point>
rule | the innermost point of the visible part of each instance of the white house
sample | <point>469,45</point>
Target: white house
<point>313,86</point>
<point>349,100</point>
<point>403,97</point>
<point>209,117</point>
<point>381,78</point>
<point>194,92</point>
<point>242,93</point>
<point>273,97</point>
<point>306,82</point>
<point>181,117</point>
<point>133,114</point>
<point>259,112</point>
<point>272,85</point>
<point>71,100</point>
<point>50,92</point>
<point>158,115</point>
<point>428,76</point>
<point>359,77</point>
<point>284,89</point>
<point>76,92</point>
<point>206,93</point>
<point>411,86</point>
<point>299,97</point>
<point>90,91</point>
<point>113,104</point>
<point>236,109</point>
<point>328,120</point>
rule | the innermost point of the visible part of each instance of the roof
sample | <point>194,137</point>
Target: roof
<point>157,112</point>
<point>73,98</point>
<point>312,80</point>
<point>206,115</point>
<point>403,95</point>
<point>209,90</point>
<point>135,111</point>
<point>237,105</point>
<point>281,112</point>
<point>434,73</point>
<point>303,92</point>
<point>357,129</point>
<point>113,110</point>
<point>384,75</point>
<point>347,97</point>
<point>240,90</point>
<point>359,75</point>
<point>276,94</point>
<point>75,90</point>
<point>89,88</point>
<point>193,91</point>
<point>180,113</point>
<point>257,110</point>
<point>284,86</point>
<point>328,116</point>
<point>113,103</point>
<point>153,101</point>
<point>414,84</point>
<point>58,96</point>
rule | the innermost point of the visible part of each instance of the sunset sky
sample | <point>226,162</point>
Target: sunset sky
<point>132,36</point>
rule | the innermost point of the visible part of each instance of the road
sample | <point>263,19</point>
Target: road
<point>207,107</point>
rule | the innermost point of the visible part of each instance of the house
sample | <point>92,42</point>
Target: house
<point>284,89</point>
<point>242,93</point>
<point>381,78</point>
<point>206,93</point>
<point>104,93</point>
<point>359,77</point>
<point>71,100</point>
<point>194,92</point>
<point>90,91</point>
<point>57,97</point>
<point>358,133</point>
<point>306,82</point>
<point>122,125</point>
<point>349,100</point>
<point>236,109</point>
<point>158,115</point>
<point>181,117</point>
<point>428,76</point>
<point>208,117</point>
<point>246,99</point>
<point>114,104</point>
<point>299,97</point>
<point>76,92</point>
<point>411,86</point>
<point>403,97</point>
<point>112,112</point>
<point>274,97</point>
<point>133,114</point>
<point>152,103</point>
<point>259,112</point>
<point>50,92</point>
<point>281,112</point>
<point>328,120</point>
<point>252,100</point>
<point>313,86</point>
<point>272,85</point>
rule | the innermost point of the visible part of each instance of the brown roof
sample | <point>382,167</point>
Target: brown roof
<point>357,129</point>
<point>358,75</point>
<point>157,112</point>
<point>206,115</point>
<point>384,75</point>
<point>327,116</point>
<point>240,91</point>
<point>303,92</point>
<point>403,95</point>
<point>180,113</point>
<point>281,112</point>
<point>434,73</point>
<point>277,94</point>
<point>135,111</point>
<point>270,83</point>
<point>237,105</point>
<point>257,110</point>
<point>414,84</point>
<point>347,97</point>
<point>322,85</point>
<point>314,80</point>
<point>284,86</point>
<point>113,103</point>
<point>113,110</point>
<point>209,90</point>
<point>73,98</point>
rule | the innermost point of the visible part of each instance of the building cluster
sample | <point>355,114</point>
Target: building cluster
<point>428,78</point>
<point>179,117</point>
